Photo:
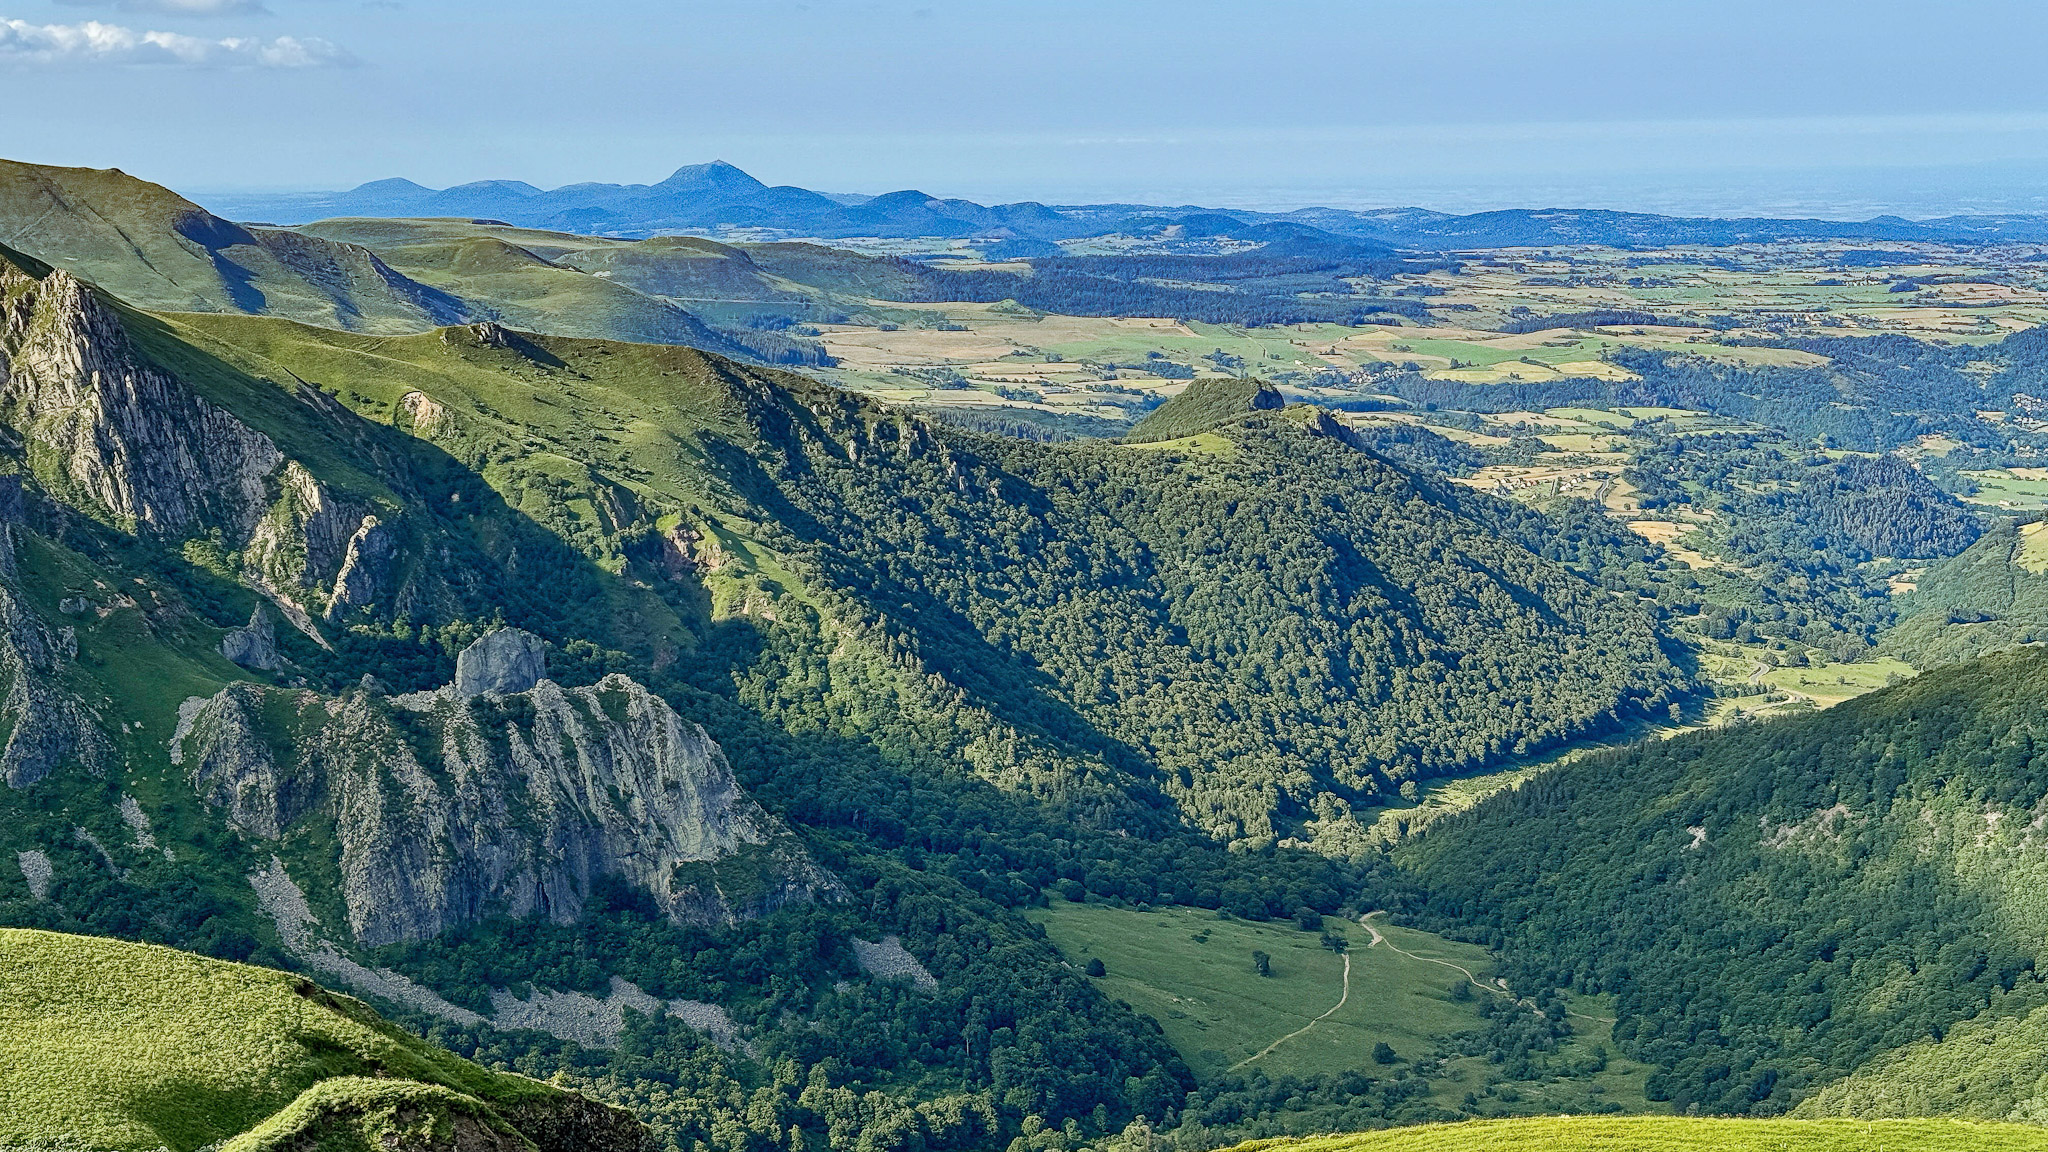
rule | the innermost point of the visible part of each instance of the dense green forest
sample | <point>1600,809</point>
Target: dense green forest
<point>1772,906</point>
<point>1797,529</point>
<point>968,671</point>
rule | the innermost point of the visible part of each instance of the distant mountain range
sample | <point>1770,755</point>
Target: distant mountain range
<point>719,197</point>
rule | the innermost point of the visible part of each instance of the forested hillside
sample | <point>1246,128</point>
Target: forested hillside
<point>1779,905</point>
<point>959,670</point>
<point>1992,596</point>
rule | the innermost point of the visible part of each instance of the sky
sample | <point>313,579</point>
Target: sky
<point>1783,107</point>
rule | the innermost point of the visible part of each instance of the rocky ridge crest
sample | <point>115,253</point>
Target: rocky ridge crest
<point>450,808</point>
<point>124,441</point>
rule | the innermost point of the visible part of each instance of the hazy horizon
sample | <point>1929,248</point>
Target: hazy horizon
<point>1457,106</point>
<point>1911,193</point>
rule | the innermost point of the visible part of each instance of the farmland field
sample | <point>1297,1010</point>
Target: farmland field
<point>1021,359</point>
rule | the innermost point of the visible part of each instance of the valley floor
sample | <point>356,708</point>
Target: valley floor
<point>1322,1012</point>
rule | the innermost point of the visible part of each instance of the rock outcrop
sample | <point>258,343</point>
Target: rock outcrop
<point>505,660</point>
<point>369,567</point>
<point>451,808</point>
<point>120,439</point>
<point>117,436</point>
<point>254,645</point>
<point>45,725</point>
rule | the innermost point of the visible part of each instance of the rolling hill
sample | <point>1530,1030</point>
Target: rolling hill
<point>162,251</point>
<point>112,1046</point>
<point>719,196</point>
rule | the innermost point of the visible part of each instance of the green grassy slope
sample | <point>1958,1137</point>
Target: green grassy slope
<point>1203,405</point>
<point>111,1045</point>
<point>524,288</point>
<point>159,250</point>
<point>1679,1134</point>
<point>630,290</point>
<point>1193,973</point>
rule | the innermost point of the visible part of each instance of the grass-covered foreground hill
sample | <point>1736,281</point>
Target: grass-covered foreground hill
<point>1777,906</point>
<point>1679,1134</point>
<point>115,1046</point>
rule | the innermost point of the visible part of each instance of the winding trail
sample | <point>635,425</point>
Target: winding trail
<point>1377,940</point>
<point>1268,1049</point>
<point>1792,695</point>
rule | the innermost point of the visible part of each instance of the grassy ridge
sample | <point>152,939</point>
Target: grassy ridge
<point>1679,1134</point>
<point>159,250</point>
<point>111,1045</point>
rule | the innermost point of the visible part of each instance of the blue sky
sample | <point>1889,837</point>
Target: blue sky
<point>1785,106</point>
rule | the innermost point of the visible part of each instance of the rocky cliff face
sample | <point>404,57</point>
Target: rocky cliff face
<point>124,441</point>
<point>121,437</point>
<point>45,725</point>
<point>450,808</point>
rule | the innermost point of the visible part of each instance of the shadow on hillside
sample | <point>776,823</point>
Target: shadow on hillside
<point>479,559</point>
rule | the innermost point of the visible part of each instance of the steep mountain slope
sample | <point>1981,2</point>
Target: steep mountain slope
<point>1778,905</point>
<point>986,564</point>
<point>180,493</point>
<point>1992,596</point>
<point>114,1046</point>
<point>951,670</point>
<point>119,446</point>
<point>160,250</point>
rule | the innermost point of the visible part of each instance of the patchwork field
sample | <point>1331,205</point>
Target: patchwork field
<point>1716,304</point>
<point>2018,489</point>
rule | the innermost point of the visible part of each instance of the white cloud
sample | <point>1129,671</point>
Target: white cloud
<point>178,7</point>
<point>95,43</point>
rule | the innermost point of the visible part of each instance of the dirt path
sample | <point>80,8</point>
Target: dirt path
<point>1792,695</point>
<point>1268,1049</point>
<point>1377,939</point>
